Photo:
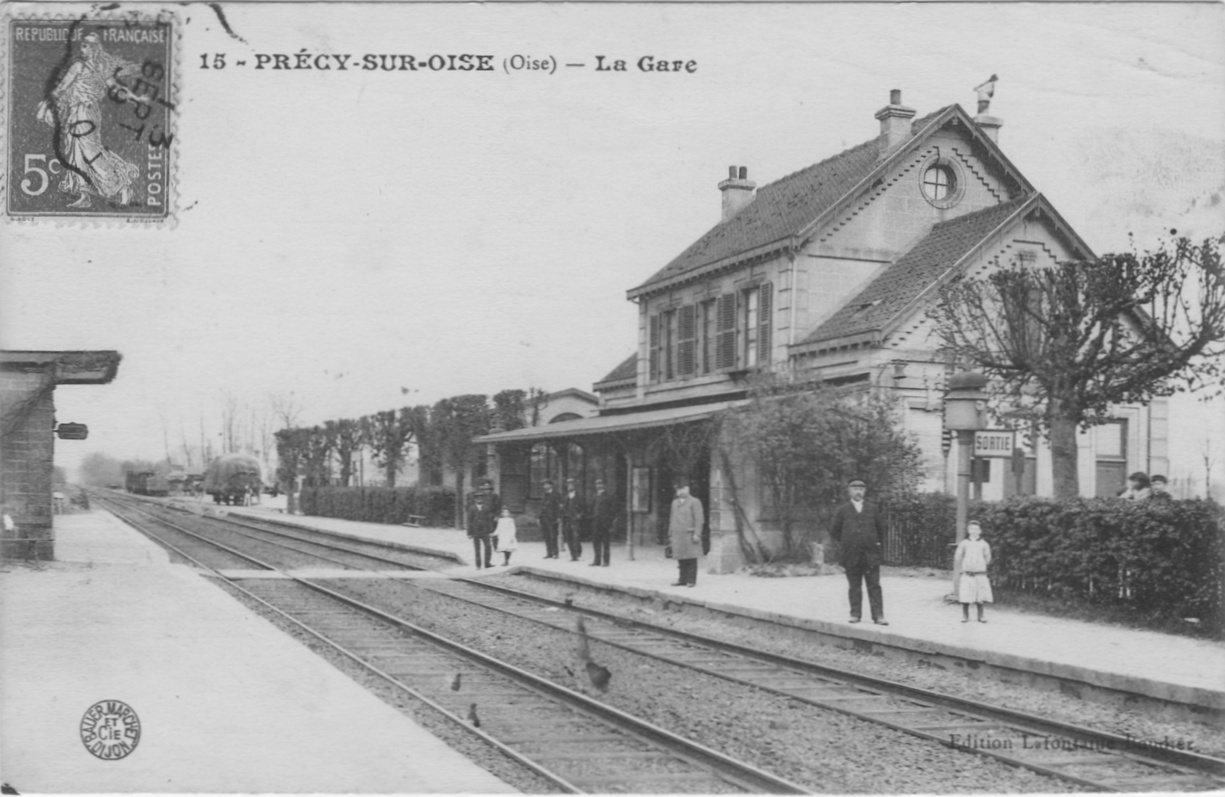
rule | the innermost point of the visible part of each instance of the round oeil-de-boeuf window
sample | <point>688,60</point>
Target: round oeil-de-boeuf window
<point>941,183</point>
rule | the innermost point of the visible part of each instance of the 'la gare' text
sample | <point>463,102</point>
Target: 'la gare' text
<point>647,63</point>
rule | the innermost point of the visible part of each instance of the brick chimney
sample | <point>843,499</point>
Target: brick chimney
<point>894,122</point>
<point>990,125</point>
<point>737,190</point>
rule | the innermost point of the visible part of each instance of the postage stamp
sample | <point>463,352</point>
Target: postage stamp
<point>89,118</point>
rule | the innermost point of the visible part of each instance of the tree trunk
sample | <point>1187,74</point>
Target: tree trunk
<point>1064,458</point>
<point>459,497</point>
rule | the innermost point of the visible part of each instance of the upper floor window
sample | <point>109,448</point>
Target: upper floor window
<point>938,183</point>
<point>942,181</point>
<point>730,332</point>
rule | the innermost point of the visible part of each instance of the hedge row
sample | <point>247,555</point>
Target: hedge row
<point>1154,558</point>
<point>381,504</point>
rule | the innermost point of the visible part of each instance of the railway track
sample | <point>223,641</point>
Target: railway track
<point>577,743</point>
<point>1090,758</point>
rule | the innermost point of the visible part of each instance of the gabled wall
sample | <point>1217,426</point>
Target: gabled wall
<point>885,222</point>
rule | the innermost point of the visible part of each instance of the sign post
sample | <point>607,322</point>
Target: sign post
<point>994,443</point>
<point>965,405</point>
<point>72,431</point>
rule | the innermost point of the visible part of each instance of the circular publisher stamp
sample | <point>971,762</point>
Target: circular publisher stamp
<point>110,730</point>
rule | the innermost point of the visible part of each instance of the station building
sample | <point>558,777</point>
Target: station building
<point>829,272</point>
<point>28,380</point>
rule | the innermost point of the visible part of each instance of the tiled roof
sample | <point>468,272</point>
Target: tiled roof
<point>896,286</point>
<point>784,207</point>
<point>628,369</point>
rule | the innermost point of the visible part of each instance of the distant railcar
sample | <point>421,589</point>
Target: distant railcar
<point>146,483</point>
<point>233,479</point>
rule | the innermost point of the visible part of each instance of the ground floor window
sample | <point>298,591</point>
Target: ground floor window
<point>1111,450</point>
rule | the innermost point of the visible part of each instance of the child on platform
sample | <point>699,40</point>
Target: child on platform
<point>973,557</point>
<point>505,533</point>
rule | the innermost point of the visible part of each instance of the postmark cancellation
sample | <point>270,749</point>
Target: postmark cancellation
<point>89,118</point>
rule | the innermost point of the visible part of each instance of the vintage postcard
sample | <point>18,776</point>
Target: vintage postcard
<point>611,397</point>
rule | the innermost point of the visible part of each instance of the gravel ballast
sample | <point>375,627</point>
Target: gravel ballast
<point>815,747</point>
<point>764,636</point>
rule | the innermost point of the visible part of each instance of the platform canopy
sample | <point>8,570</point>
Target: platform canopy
<point>609,424</point>
<point>70,367</point>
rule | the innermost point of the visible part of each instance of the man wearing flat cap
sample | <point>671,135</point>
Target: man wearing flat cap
<point>859,530</point>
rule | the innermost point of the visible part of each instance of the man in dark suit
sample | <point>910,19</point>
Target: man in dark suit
<point>859,530</point>
<point>550,516</point>
<point>604,511</point>
<point>573,516</point>
<point>483,510</point>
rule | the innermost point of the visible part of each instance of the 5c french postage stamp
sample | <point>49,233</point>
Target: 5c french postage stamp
<point>89,118</point>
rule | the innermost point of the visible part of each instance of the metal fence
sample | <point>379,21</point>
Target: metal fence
<point>920,533</point>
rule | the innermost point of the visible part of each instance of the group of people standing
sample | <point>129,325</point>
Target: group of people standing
<point>490,526</point>
<point>1142,487</point>
<point>859,530</point>
<point>570,517</point>
<point>567,517</point>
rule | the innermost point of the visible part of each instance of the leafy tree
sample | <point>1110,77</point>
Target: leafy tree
<point>345,437</point>
<point>1069,341</point>
<point>291,451</point>
<point>804,441</point>
<point>318,453</point>
<point>389,434</point>
<point>509,410</point>
<point>454,422</point>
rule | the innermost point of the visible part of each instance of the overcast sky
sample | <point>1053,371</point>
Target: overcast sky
<point>348,236</point>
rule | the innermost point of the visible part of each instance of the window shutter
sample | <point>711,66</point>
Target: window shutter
<point>687,333</point>
<point>653,344</point>
<point>765,317</point>
<point>725,331</point>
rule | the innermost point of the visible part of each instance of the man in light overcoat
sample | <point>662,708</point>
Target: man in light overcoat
<point>859,530</point>
<point>685,533</point>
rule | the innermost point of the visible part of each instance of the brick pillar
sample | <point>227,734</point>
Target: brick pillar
<point>26,462</point>
<point>725,555</point>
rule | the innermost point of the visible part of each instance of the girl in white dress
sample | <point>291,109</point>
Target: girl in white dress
<point>973,557</point>
<point>507,540</point>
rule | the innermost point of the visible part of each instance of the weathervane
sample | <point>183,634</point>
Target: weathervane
<point>985,91</point>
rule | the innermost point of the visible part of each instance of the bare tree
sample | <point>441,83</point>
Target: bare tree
<point>1072,340</point>
<point>229,423</point>
<point>1209,462</point>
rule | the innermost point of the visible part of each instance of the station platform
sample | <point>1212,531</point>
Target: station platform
<point>1164,667</point>
<point>226,702</point>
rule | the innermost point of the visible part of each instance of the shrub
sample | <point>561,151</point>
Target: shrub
<point>1154,559</point>
<point>381,504</point>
